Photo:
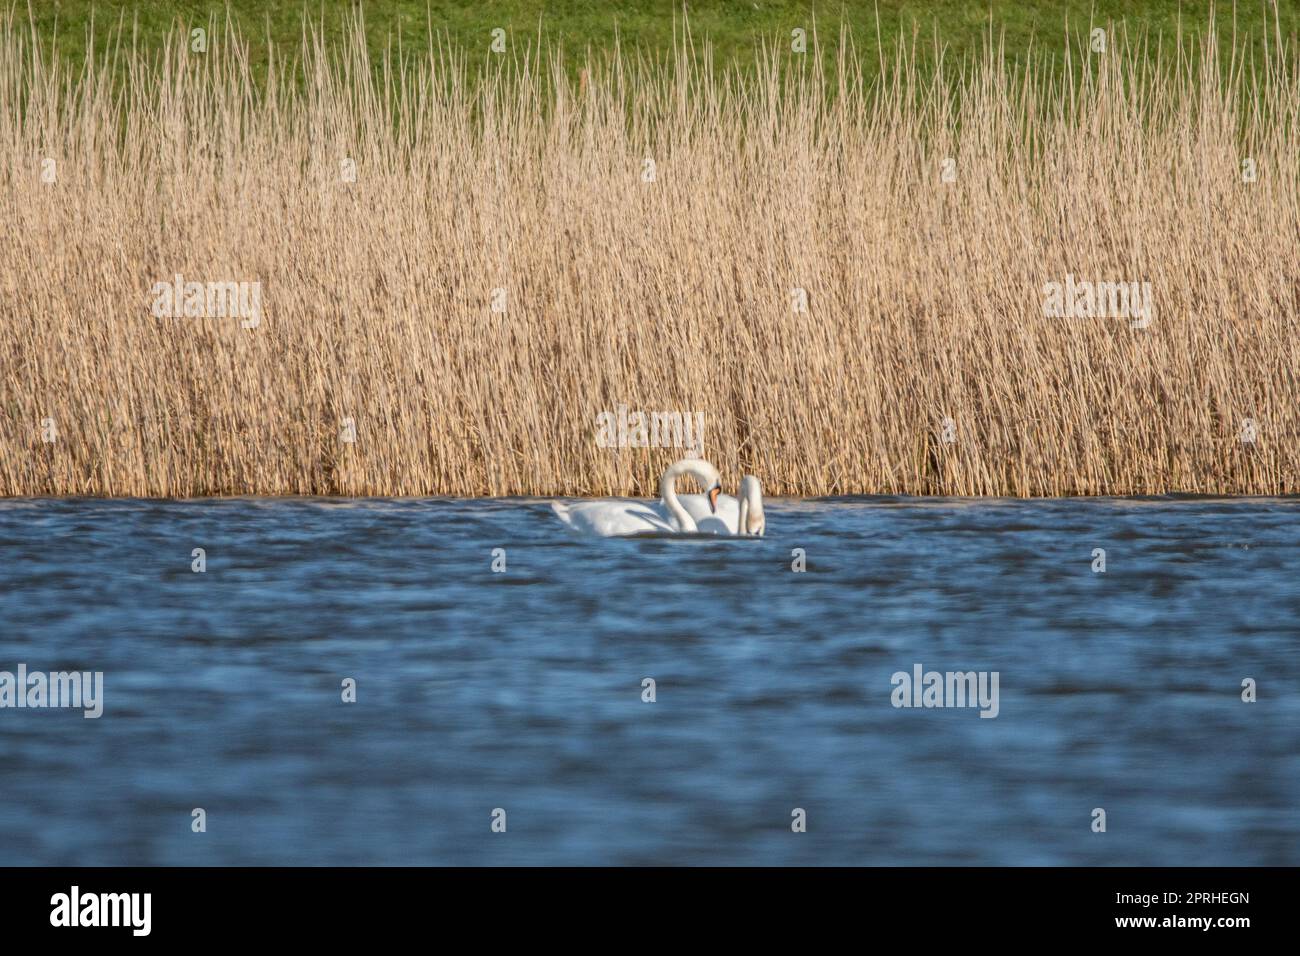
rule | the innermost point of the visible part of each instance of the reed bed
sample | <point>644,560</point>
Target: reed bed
<point>505,265</point>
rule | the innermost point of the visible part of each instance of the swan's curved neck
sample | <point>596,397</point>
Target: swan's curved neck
<point>668,491</point>
<point>751,507</point>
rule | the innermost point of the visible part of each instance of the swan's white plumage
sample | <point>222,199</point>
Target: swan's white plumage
<point>751,519</point>
<point>724,521</point>
<point>617,517</point>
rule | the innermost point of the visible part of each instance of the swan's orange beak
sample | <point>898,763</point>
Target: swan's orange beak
<point>713,498</point>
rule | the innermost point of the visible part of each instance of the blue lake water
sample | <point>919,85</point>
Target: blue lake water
<point>522,690</point>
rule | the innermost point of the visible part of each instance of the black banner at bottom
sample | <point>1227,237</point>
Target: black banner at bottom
<point>334,906</point>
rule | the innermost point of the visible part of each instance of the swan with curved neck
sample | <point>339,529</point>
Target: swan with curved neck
<point>701,471</point>
<point>709,513</point>
<point>742,516</point>
<point>751,520</point>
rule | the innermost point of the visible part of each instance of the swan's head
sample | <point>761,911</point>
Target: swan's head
<point>701,471</point>
<point>709,478</point>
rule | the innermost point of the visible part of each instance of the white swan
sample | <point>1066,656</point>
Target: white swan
<point>709,513</point>
<point>751,520</point>
<point>734,516</point>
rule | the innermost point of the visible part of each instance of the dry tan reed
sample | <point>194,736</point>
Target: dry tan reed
<point>925,297</point>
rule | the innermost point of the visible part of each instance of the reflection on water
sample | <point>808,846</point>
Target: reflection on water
<point>523,690</point>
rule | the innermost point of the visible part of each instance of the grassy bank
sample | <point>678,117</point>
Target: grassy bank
<point>458,273</point>
<point>733,29</point>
